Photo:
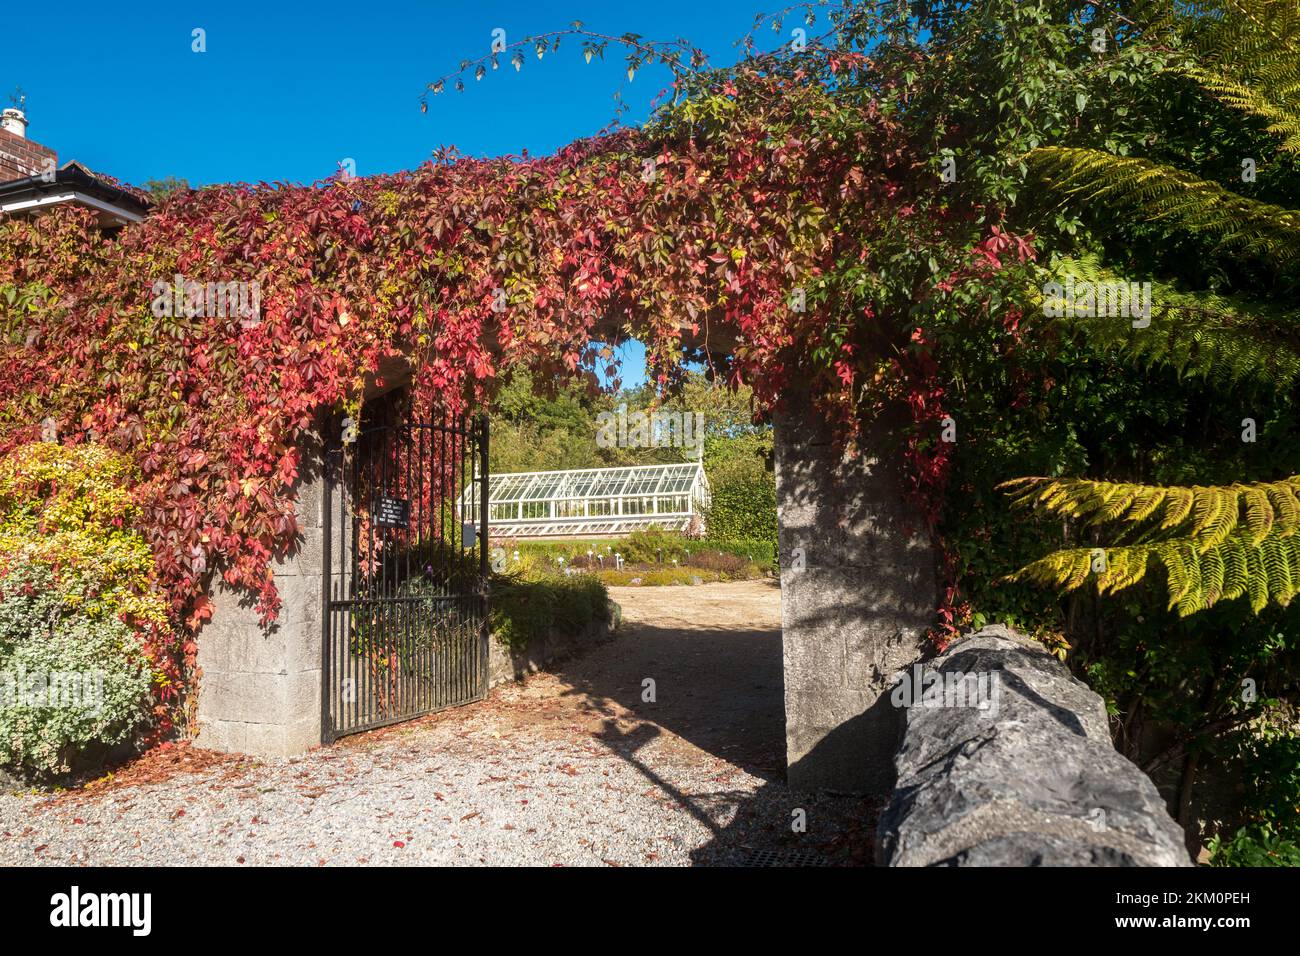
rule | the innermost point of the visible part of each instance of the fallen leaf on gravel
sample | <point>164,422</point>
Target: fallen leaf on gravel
<point>156,766</point>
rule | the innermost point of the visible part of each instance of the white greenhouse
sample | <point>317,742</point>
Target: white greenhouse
<point>592,501</point>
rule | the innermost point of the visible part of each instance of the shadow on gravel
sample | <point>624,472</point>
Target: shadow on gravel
<point>838,830</point>
<point>721,690</point>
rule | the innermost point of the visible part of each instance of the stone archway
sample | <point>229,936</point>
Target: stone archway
<point>858,591</point>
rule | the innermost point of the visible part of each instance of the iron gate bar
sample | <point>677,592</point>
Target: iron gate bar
<point>405,613</point>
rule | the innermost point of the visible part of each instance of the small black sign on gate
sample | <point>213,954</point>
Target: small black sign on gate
<point>392,512</point>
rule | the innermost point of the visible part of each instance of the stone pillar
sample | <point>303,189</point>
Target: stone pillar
<point>858,591</point>
<point>260,688</point>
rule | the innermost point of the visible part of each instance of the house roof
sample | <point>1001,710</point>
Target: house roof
<point>116,204</point>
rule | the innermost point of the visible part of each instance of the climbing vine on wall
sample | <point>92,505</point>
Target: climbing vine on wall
<point>770,204</point>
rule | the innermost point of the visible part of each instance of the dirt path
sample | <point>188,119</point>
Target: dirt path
<point>570,767</point>
<point>714,655</point>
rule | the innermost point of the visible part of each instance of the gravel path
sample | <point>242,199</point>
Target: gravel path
<point>567,768</point>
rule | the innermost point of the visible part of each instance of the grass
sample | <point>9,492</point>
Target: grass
<point>650,557</point>
<point>651,575</point>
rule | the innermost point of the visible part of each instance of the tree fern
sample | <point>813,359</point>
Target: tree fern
<point>1162,193</point>
<point>1227,340</point>
<point>1246,54</point>
<point>1214,542</point>
<point>1248,57</point>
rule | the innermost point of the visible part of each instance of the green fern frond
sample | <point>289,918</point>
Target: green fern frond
<point>1162,193</point>
<point>1226,340</point>
<point>1282,121</point>
<point>1247,55</point>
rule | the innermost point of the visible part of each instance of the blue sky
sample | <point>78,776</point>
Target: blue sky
<point>285,91</point>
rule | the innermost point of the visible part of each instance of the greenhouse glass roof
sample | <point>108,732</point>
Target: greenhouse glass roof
<point>593,501</point>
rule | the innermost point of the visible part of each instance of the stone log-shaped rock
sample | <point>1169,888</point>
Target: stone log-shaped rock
<point>1006,760</point>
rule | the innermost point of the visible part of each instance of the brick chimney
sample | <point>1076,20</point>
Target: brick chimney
<point>19,156</point>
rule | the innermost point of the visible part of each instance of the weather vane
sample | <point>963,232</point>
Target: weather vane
<point>18,98</point>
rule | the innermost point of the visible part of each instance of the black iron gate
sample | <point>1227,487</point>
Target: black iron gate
<point>405,625</point>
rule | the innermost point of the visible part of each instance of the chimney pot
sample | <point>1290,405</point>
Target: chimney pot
<point>14,121</point>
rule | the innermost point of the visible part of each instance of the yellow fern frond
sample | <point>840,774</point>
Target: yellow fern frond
<point>1258,512</point>
<point>1216,515</point>
<point>1266,573</point>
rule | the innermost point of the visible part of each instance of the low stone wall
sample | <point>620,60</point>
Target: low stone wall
<point>1006,760</point>
<point>507,664</point>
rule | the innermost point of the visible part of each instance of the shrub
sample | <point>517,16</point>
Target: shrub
<point>759,551</point>
<point>720,561</point>
<point>663,575</point>
<point>650,544</point>
<point>78,604</point>
<point>742,490</point>
<point>1254,846</point>
<point>710,559</point>
<point>29,604</point>
<point>1266,763</point>
<point>63,694</point>
<point>69,508</point>
<point>528,604</point>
